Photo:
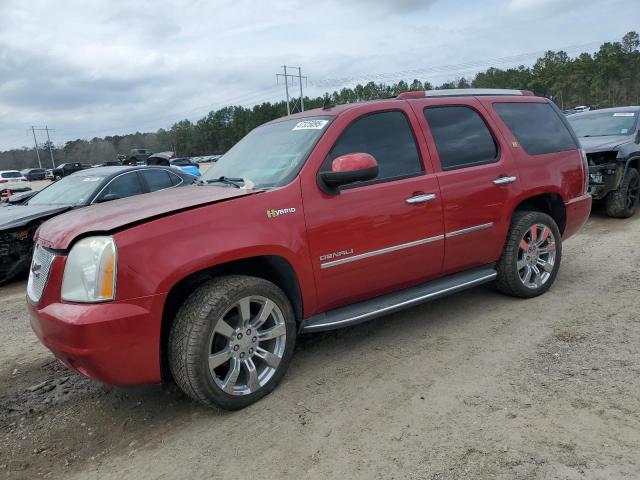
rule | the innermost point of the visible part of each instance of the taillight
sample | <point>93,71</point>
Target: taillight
<point>2,180</point>
<point>23,179</point>
<point>585,168</point>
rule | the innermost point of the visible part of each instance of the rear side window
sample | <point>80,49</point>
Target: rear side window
<point>157,179</point>
<point>123,186</point>
<point>388,137</point>
<point>537,127</point>
<point>462,137</point>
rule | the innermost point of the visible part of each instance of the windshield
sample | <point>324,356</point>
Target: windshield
<point>11,175</point>
<point>271,155</point>
<point>71,190</point>
<point>603,124</point>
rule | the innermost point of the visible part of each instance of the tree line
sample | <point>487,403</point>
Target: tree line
<point>609,77</point>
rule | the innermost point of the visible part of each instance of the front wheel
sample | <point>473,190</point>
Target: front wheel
<point>531,256</point>
<point>623,202</point>
<point>232,341</point>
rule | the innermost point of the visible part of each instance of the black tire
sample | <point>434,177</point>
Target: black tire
<point>57,177</point>
<point>193,329</point>
<point>623,202</point>
<point>508,280</point>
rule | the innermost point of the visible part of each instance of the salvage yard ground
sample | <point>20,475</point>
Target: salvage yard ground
<point>477,385</point>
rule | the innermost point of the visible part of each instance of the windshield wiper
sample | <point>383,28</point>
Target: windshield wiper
<point>236,182</point>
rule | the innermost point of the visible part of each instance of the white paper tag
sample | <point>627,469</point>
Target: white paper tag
<point>310,125</point>
<point>91,179</point>
<point>624,114</point>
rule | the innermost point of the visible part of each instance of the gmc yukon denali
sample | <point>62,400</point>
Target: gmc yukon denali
<point>312,222</point>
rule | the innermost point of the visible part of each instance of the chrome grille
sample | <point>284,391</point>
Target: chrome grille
<point>39,272</point>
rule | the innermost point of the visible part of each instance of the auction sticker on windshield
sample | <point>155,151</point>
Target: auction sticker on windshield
<point>310,125</point>
<point>92,179</point>
<point>624,114</point>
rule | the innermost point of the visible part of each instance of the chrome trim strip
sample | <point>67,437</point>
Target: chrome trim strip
<point>406,302</point>
<point>373,253</point>
<point>469,230</point>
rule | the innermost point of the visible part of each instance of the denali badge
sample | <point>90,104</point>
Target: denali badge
<point>282,211</point>
<point>341,253</point>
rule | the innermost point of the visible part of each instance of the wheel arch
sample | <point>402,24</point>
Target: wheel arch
<point>273,268</point>
<point>633,162</point>
<point>549,203</point>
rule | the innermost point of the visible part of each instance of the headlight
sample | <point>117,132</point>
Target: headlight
<point>90,271</point>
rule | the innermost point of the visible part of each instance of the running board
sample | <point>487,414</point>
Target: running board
<point>393,302</point>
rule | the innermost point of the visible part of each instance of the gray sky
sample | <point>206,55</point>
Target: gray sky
<point>98,67</point>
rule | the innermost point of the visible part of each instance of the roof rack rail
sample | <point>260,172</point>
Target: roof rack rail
<point>463,92</point>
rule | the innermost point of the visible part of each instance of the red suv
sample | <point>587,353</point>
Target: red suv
<point>311,222</point>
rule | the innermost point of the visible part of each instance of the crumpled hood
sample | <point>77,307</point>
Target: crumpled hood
<point>601,144</point>
<point>14,216</point>
<point>59,232</point>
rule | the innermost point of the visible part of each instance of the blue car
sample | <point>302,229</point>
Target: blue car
<point>166,159</point>
<point>186,165</point>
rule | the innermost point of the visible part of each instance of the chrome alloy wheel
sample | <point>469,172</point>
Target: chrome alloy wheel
<point>536,256</point>
<point>247,345</point>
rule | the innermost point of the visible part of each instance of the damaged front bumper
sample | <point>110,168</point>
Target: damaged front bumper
<point>605,173</point>
<point>16,248</point>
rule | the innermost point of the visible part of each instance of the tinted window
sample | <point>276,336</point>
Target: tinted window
<point>537,126</point>
<point>157,179</point>
<point>387,136</point>
<point>11,175</point>
<point>124,186</point>
<point>461,136</point>
<point>175,179</point>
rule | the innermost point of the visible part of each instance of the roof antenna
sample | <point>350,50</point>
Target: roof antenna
<point>327,102</point>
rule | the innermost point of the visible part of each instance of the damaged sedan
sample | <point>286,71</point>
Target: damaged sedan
<point>22,214</point>
<point>611,140</point>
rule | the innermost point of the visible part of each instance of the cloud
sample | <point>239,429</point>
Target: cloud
<point>115,66</point>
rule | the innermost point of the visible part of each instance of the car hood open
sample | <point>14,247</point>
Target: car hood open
<point>59,232</point>
<point>15,216</point>
<point>600,144</point>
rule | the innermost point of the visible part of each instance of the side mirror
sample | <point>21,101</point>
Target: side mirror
<point>350,168</point>
<point>108,197</point>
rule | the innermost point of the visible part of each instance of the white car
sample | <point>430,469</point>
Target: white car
<point>14,181</point>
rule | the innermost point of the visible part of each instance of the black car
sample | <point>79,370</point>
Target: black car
<point>65,169</point>
<point>32,174</point>
<point>138,155</point>
<point>22,214</point>
<point>611,139</point>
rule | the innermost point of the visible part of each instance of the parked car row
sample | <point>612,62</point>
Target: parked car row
<point>311,222</point>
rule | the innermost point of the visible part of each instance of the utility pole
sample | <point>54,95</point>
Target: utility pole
<point>35,144</point>
<point>49,145</point>
<point>301,95</point>
<point>45,129</point>
<point>286,77</point>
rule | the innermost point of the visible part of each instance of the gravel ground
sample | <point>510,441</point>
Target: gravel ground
<point>477,385</point>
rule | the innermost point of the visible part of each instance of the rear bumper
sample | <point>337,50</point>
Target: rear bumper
<point>577,213</point>
<point>116,343</point>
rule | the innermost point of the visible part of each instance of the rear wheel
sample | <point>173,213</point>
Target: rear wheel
<point>623,202</point>
<point>531,256</point>
<point>232,341</point>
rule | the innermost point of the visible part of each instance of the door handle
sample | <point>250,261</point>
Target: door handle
<point>427,197</point>
<point>504,180</point>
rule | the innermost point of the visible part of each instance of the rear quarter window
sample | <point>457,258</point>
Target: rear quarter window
<point>537,126</point>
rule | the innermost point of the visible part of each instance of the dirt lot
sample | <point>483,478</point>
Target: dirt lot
<point>477,385</point>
